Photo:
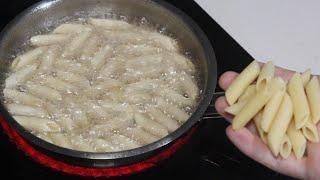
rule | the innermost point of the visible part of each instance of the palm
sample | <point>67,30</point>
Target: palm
<point>250,144</point>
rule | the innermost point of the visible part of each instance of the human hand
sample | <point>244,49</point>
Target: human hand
<point>248,141</point>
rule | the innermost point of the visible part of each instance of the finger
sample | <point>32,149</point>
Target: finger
<point>220,105</point>
<point>253,147</point>
<point>313,159</point>
<point>226,79</point>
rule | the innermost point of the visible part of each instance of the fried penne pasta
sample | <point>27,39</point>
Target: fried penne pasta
<point>149,125</point>
<point>265,76</point>
<point>236,108</point>
<point>73,78</point>
<point>28,58</point>
<point>50,39</point>
<point>20,76</point>
<point>163,119</point>
<point>61,140</point>
<point>91,47</point>
<point>102,145</point>
<point>310,131</point>
<point>22,97</point>
<point>285,147</point>
<point>163,41</point>
<point>313,95</point>
<point>177,113</point>
<point>110,24</point>
<point>248,93</point>
<point>60,85</point>
<point>37,124</point>
<point>272,107</point>
<point>123,142</point>
<point>71,28</point>
<point>139,135</point>
<point>280,124</point>
<point>189,86</point>
<point>298,141</point>
<point>81,143</point>
<point>257,121</point>
<point>301,108</point>
<point>175,97</point>
<point>43,92</point>
<point>100,57</point>
<point>49,58</point>
<point>24,110</point>
<point>305,77</point>
<point>239,85</point>
<point>76,43</point>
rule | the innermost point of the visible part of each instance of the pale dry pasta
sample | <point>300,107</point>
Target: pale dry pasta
<point>305,77</point>
<point>298,141</point>
<point>257,122</point>
<point>285,147</point>
<point>103,85</point>
<point>265,76</point>
<point>245,78</point>
<point>310,131</point>
<point>236,108</point>
<point>301,109</point>
<point>248,93</point>
<point>313,95</point>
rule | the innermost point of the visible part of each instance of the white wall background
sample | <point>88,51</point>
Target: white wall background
<point>284,31</point>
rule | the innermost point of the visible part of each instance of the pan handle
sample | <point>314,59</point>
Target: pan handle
<point>211,112</point>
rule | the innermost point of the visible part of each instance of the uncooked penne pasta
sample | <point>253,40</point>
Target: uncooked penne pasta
<point>123,142</point>
<point>43,92</point>
<point>298,141</point>
<point>24,110</point>
<point>71,28</point>
<point>177,113</point>
<point>110,24</point>
<point>139,135</point>
<point>280,124</point>
<point>22,97</point>
<point>310,131</point>
<point>37,124</point>
<point>60,85</point>
<point>257,121</point>
<point>73,78</point>
<point>50,39</point>
<point>239,85</point>
<point>61,140</point>
<point>236,108</point>
<point>305,77</point>
<point>313,95</point>
<point>149,125</point>
<point>248,93</point>
<point>27,58</point>
<point>49,58</point>
<point>272,107</point>
<point>285,147</point>
<point>100,57</point>
<point>76,43</point>
<point>255,104</point>
<point>301,108</point>
<point>20,76</point>
<point>163,119</point>
<point>265,76</point>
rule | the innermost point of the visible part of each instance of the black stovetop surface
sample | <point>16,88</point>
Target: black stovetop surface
<point>209,155</point>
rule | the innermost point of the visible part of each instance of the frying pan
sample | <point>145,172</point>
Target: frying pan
<point>48,14</point>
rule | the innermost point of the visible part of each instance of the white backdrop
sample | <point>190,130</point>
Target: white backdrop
<point>286,31</point>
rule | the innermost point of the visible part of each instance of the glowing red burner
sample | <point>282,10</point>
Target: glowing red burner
<point>93,172</point>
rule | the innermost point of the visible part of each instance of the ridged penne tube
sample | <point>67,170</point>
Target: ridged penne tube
<point>298,141</point>
<point>43,92</point>
<point>236,108</point>
<point>110,24</point>
<point>239,85</point>
<point>257,122</point>
<point>149,125</point>
<point>177,113</point>
<point>73,78</point>
<point>139,135</point>
<point>28,58</point>
<point>175,97</point>
<point>272,107</point>
<point>49,39</point>
<point>90,47</point>
<point>102,145</point>
<point>301,109</point>
<point>20,76</point>
<point>61,140</point>
<point>71,28</point>
<point>310,131</point>
<point>37,124</point>
<point>163,41</point>
<point>48,58</point>
<point>255,104</point>
<point>280,124</point>
<point>163,119</point>
<point>22,97</point>
<point>66,123</point>
<point>76,43</point>
<point>285,147</point>
<point>113,124</point>
<point>189,86</point>
<point>138,49</point>
<point>81,144</point>
<point>111,68</point>
<point>139,98</point>
<point>60,85</point>
<point>96,111</point>
<point>248,93</point>
<point>100,57</point>
<point>265,76</point>
<point>305,77</point>
<point>123,142</point>
<point>24,110</point>
<point>180,61</point>
<point>63,64</point>
<point>313,95</point>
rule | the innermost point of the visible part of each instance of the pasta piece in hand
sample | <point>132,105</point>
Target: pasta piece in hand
<point>298,141</point>
<point>310,131</point>
<point>248,93</point>
<point>257,121</point>
<point>313,95</point>
<point>265,76</point>
<point>305,77</point>
<point>39,125</point>
<point>236,108</point>
<point>285,147</point>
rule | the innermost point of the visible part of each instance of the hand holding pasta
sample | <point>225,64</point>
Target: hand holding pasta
<point>102,85</point>
<point>299,148</point>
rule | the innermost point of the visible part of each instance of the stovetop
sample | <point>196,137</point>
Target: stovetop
<point>208,155</point>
